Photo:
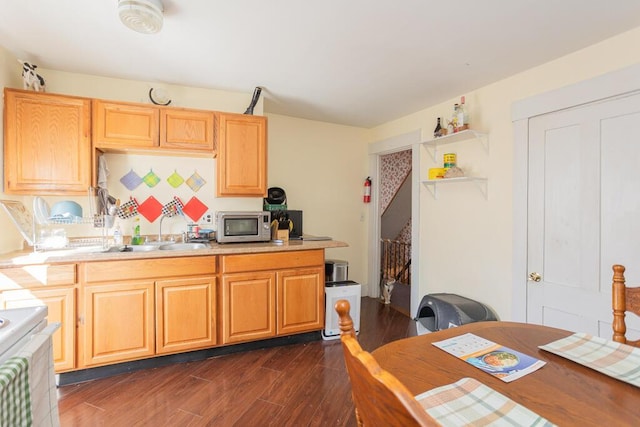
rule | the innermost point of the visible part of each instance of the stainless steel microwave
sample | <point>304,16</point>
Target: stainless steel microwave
<point>240,226</point>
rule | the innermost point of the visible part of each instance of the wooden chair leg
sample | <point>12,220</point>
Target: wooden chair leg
<point>358,419</point>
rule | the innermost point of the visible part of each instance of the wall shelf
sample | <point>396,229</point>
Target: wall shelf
<point>433,184</point>
<point>469,134</point>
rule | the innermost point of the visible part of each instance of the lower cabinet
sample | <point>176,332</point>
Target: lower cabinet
<point>118,322</point>
<point>133,309</point>
<point>300,305</point>
<point>61,303</point>
<point>185,314</point>
<point>248,306</point>
<point>51,285</point>
<point>123,310</point>
<point>263,304</point>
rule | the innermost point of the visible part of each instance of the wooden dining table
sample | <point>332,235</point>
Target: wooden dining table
<point>564,392</point>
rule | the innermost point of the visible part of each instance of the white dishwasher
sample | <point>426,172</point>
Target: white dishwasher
<point>26,353</point>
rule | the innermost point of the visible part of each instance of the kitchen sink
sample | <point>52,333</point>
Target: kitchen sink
<point>183,246</point>
<point>133,248</point>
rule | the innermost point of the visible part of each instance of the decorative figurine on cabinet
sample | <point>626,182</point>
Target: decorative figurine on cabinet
<point>30,79</point>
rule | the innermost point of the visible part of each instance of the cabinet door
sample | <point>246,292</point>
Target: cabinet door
<point>118,322</point>
<point>47,144</point>
<point>61,305</point>
<point>248,306</point>
<point>123,126</point>
<point>242,155</point>
<point>185,314</point>
<point>187,129</point>
<point>300,300</point>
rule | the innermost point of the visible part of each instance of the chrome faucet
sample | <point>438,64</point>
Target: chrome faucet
<point>160,229</point>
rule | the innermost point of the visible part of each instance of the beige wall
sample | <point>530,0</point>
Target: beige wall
<point>322,167</point>
<point>466,240</point>
<point>10,75</point>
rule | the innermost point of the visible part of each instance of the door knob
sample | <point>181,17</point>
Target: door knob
<point>535,277</point>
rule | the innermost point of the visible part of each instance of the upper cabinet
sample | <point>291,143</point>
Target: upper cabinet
<point>124,126</point>
<point>52,142</point>
<point>242,155</point>
<point>47,145</point>
<point>130,127</point>
<point>190,129</point>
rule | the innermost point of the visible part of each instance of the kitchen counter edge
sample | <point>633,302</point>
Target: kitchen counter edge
<point>20,258</point>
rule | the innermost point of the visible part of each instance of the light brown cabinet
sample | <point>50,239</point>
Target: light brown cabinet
<point>51,285</point>
<point>248,306</point>
<point>187,129</point>
<point>242,155</point>
<point>185,314</point>
<point>267,295</point>
<point>125,126</point>
<point>118,322</point>
<point>47,143</point>
<point>133,309</point>
<point>131,127</point>
<point>300,300</point>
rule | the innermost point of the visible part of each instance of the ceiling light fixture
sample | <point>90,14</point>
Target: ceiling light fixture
<point>143,16</point>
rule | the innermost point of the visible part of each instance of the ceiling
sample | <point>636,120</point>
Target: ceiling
<point>356,62</point>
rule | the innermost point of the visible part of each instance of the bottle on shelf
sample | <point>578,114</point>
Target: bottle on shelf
<point>462,118</point>
<point>438,130</point>
<point>454,118</point>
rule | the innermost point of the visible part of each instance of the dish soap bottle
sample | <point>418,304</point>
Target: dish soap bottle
<point>135,235</point>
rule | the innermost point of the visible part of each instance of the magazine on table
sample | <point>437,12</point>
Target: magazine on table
<point>495,359</point>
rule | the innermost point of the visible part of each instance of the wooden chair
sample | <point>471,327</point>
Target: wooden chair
<point>379,397</point>
<point>623,299</point>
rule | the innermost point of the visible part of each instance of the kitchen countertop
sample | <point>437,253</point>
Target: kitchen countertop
<point>27,257</point>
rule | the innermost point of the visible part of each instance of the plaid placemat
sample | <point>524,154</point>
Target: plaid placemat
<point>195,181</point>
<point>468,402</point>
<point>15,397</point>
<point>175,180</point>
<point>131,180</point>
<point>611,358</point>
<point>151,179</point>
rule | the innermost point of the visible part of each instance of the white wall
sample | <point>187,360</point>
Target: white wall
<point>322,167</point>
<point>466,241</point>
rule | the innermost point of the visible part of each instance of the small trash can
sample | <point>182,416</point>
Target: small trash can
<point>443,311</point>
<point>336,270</point>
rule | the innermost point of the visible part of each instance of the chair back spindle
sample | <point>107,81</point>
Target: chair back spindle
<point>623,299</point>
<point>379,397</point>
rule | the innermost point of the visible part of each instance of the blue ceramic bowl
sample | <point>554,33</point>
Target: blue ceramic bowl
<point>66,211</point>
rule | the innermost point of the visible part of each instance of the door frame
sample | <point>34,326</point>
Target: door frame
<point>376,149</point>
<point>616,83</point>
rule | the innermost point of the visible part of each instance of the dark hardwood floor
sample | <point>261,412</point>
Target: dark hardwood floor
<point>293,385</point>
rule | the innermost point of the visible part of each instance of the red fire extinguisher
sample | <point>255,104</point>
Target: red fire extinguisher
<point>367,190</point>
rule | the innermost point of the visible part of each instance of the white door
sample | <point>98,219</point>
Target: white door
<point>583,212</point>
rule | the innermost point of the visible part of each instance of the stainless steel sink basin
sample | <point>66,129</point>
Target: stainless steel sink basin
<point>183,246</point>
<point>133,248</point>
